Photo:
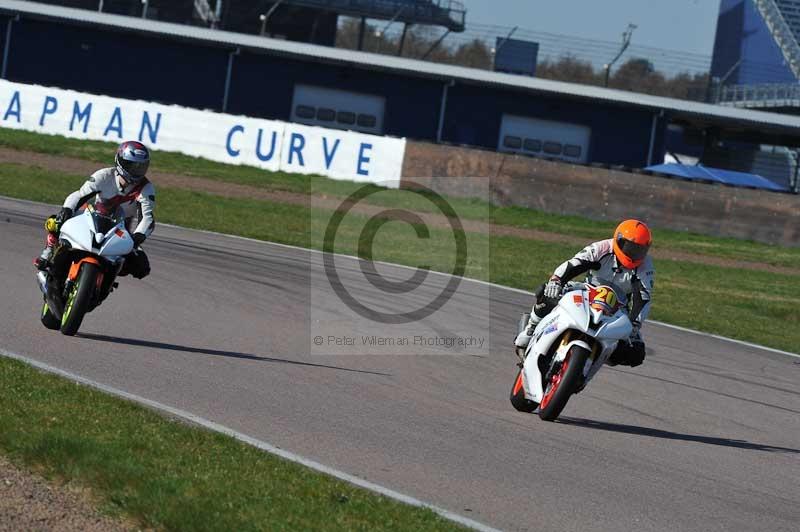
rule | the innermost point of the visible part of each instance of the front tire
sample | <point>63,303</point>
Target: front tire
<point>563,383</point>
<point>518,400</point>
<point>78,299</point>
<point>49,320</point>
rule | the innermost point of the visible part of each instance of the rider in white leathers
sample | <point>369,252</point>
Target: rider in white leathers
<point>122,187</point>
<point>620,262</point>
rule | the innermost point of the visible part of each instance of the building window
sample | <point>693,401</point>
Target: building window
<point>346,117</point>
<point>305,111</point>
<point>326,115</point>
<point>571,150</point>
<point>552,148</point>
<point>512,142</point>
<point>533,145</point>
<point>367,120</point>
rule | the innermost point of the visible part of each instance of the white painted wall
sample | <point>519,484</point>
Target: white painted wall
<point>266,144</point>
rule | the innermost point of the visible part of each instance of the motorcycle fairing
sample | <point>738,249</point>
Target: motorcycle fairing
<point>80,232</point>
<point>573,312</point>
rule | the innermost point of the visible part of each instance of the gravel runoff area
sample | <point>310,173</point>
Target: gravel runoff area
<point>29,502</point>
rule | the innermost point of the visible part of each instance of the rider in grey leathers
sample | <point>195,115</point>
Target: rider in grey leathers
<point>122,188</point>
<point>621,262</point>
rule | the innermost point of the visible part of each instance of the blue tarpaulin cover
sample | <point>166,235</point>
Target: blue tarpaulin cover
<point>726,177</point>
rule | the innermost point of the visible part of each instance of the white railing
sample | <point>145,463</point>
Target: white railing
<point>761,95</point>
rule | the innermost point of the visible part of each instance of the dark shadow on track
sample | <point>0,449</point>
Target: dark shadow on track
<point>665,434</point>
<point>708,390</point>
<point>214,352</point>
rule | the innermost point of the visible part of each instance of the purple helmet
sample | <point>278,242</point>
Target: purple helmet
<point>132,161</point>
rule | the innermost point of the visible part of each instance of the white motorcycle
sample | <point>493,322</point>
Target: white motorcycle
<point>86,261</point>
<point>568,348</point>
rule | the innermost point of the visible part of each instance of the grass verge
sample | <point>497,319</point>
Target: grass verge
<point>473,209</point>
<point>169,475</point>
<point>744,304</point>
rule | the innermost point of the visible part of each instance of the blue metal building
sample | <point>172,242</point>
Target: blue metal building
<point>756,65</point>
<point>756,62</point>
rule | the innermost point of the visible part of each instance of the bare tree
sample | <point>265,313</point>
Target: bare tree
<point>637,74</point>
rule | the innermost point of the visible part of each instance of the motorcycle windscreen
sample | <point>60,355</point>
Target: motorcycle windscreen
<point>78,231</point>
<point>103,224</point>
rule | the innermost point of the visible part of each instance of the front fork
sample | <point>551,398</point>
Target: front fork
<point>556,360</point>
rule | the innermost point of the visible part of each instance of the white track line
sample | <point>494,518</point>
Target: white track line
<point>725,338</point>
<point>264,446</point>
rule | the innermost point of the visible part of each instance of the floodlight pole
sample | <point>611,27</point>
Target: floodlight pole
<point>436,45</point>
<point>392,20</point>
<point>505,39</point>
<point>218,11</point>
<point>626,41</point>
<point>264,17</point>
<point>402,39</point>
<point>362,28</point>
<point>7,47</point>
<point>718,84</point>
<point>228,75</point>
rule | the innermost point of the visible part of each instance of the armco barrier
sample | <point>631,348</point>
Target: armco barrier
<point>604,194</point>
<point>219,137</point>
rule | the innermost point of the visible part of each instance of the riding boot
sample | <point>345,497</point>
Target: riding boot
<point>524,337</point>
<point>43,260</point>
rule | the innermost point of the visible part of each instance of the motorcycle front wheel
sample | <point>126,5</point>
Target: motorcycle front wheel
<point>78,299</point>
<point>518,400</point>
<point>563,383</point>
<point>48,318</point>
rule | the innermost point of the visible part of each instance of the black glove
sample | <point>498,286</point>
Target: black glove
<point>138,238</point>
<point>637,353</point>
<point>63,215</point>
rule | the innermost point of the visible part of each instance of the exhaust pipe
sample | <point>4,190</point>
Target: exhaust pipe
<point>41,277</point>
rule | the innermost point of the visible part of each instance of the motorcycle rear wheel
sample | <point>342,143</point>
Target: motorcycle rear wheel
<point>79,299</point>
<point>518,400</point>
<point>563,383</point>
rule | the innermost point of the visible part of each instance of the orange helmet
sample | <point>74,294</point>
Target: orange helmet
<point>631,241</point>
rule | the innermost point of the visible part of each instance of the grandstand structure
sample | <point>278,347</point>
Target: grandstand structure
<point>194,12</point>
<point>756,65</point>
<point>316,21</point>
<point>312,21</point>
<point>756,61</point>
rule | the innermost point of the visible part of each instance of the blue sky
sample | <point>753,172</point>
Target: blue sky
<point>685,25</point>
